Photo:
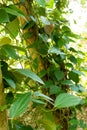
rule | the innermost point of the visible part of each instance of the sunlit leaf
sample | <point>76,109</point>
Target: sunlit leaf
<point>50,3</point>
<point>41,2</point>
<point>5,40</point>
<point>12,28</point>
<point>45,21</point>
<point>66,100</point>
<point>54,50</point>
<point>78,72</point>
<point>30,74</point>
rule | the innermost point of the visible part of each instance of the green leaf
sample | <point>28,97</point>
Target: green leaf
<point>12,28</point>
<point>27,35</point>
<point>38,101</point>
<point>73,76</point>
<point>73,124</point>
<point>78,72</point>
<point>41,2</point>
<point>66,29</point>
<point>43,96</point>
<point>66,100</point>
<point>30,74</point>
<point>69,65</point>
<point>4,18</point>
<point>59,75</point>
<point>45,21</point>
<point>48,120</point>
<point>12,9</point>
<point>55,50</point>
<point>20,105</point>
<point>82,124</point>
<point>17,125</point>
<point>54,89</point>
<point>50,3</point>
<point>74,88</point>
<point>10,51</point>
<point>5,40</point>
<point>73,59</point>
<point>10,82</point>
<point>67,82</point>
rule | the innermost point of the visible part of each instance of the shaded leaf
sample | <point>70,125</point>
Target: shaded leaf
<point>20,105</point>
<point>48,120</point>
<point>10,82</point>
<point>38,101</point>
<point>12,9</point>
<point>73,59</point>
<point>43,96</point>
<point>10,51</point>
<point>67,82</point>
<point>59,75</point>
<point>73,76</point>
<point>4,18</point>
<point>54,89</point>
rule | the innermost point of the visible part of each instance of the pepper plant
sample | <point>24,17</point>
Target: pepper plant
<point>40,68</point>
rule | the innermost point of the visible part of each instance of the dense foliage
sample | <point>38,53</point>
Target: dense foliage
<point>41,69</point>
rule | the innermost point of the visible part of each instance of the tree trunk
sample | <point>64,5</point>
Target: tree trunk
<point>27,9</point>
<point>3,115</point>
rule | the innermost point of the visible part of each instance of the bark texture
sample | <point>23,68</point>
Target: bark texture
<point>3,115</point>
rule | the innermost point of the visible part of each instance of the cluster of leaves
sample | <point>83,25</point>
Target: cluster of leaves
<point>58,82</point>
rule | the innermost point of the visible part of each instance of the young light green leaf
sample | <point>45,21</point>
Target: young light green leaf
<point>41,2</point>
<point>50,3</point>
<point>30,74</point>
<point>5,40</point>
<point>10,82</point>
<point>20,105</point>
<point>66,100</point>
<point>12,28</point>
